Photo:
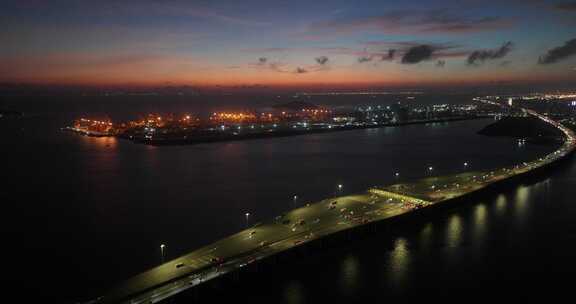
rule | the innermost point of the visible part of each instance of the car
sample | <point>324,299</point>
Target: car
<point>215,260</point>
<point>286,222</point>
<point>179,265</point>
<point>252,233</point>
<point>316,221</point>
<point>302,222</point>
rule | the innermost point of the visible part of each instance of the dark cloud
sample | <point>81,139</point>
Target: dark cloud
<point>441,63</point>
<point>478,57</point>
<point>418,54</point>
<point>322,60</point>
<point>300,70</point>
<point>559,53</point>
<point>567,6</point>
<point>389,56</point>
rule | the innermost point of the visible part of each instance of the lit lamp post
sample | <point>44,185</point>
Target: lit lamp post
<point>247,218</point>
<point>340,187</point>
<point>295,199</point>
<point>430,169</point>
<point>466,165</point>
<point>162,250</point>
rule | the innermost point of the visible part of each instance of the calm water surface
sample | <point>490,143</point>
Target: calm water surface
<point>85,212</point>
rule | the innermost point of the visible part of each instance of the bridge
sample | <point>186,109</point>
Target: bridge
<point>314,221</point>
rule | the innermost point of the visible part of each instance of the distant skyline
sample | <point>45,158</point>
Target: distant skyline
<point>305,44</point>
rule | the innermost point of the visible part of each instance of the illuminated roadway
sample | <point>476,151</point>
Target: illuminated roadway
<point>314,221</point>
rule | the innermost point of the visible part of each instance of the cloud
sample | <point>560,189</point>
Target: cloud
<point>390,56</point>
<point>300,70</point>
<point>322,60</point>
<point>478,57</point>
<point>265,63</point>
<point>567,6</point>
<point>441,63</point>
<point>418,54</point>
<point>413,21</point>
<point>559,53</point>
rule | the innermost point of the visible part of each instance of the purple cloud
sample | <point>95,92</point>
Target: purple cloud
<point>418,54</point>
<point>559,53</point>
<point>478,57</point>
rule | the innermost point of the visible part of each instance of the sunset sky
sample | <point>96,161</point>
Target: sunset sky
<point>287,43</point>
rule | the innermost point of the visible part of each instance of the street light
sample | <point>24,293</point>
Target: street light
<point>247,218</point>
<point>295,199</point>
<point>162,248</point>
<point>397,174</point>
<point>466,164</point>
<point>340,187</point>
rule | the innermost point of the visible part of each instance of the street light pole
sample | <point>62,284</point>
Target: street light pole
<point>247,218</point>
<point>162,248</point>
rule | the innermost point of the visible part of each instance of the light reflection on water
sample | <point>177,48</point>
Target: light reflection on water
<point>501,205</point>
<point>399,261</point>
<point>454,231</point>
<point>426,235</point>
<point>294,293</point>
<point>521,205</point>
<point>479,227</point>
<point>349,274</point>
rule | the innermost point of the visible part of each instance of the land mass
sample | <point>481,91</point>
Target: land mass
<point>521,127</point>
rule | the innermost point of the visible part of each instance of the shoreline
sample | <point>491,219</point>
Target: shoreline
<point>288,133</point>
<point>263,135</point>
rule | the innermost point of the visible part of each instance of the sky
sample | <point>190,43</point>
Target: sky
<point>291,43</point>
